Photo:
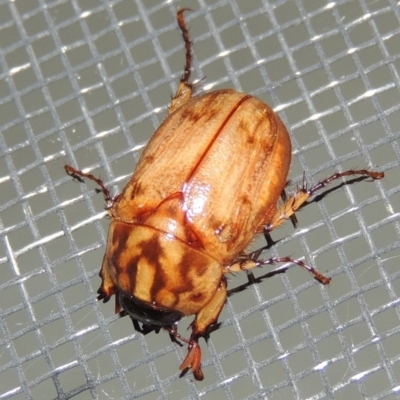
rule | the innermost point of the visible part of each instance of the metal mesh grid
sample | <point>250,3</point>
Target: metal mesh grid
<point>86,83</point>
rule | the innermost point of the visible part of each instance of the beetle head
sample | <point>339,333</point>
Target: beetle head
<point>143,312</point>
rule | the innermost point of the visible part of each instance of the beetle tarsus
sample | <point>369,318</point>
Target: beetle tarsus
<point>252,262</point>
<point>362,172</point>
<point>188,45</point>
<point>79,175</point>
<point>294,203</point>
<point>185,88</point>
<point>275,260</point>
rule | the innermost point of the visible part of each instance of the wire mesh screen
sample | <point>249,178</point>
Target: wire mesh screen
<point>86,83</point>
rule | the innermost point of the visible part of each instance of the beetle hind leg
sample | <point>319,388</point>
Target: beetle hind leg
<point>251,261</point>
<point>293,217</point>
<point>295,202</point>
<point>185,88</point>
<point>267,236</point>
<point>286,211</point>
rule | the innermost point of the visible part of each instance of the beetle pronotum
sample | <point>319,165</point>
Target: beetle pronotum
<point>188,213</point>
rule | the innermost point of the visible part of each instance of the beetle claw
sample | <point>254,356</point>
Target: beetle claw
<point>102,295</point>
<point>193,361</point>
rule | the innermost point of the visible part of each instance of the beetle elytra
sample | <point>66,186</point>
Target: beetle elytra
<point>207,183</point>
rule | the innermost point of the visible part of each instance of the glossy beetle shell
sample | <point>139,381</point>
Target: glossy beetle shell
<point>207,182</point>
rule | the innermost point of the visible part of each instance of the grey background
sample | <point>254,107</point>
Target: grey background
<point>86,83</point>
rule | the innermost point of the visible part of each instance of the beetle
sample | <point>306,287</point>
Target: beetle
<point>206,184</point>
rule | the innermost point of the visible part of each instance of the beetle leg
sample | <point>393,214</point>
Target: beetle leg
<point>193,359</point>
<point>185,89</point>
<point>77,174</point>
<point>250,262</point>
<point>301,196</point>
<point>284,198</point>
<point>208,315</point>
<point>267,236</point>
<point>204,319</point>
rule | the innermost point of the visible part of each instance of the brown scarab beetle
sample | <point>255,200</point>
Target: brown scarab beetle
<point>208,181</point>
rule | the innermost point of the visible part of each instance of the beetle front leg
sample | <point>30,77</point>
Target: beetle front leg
<point>295,202</point>
<point>204,319</point>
